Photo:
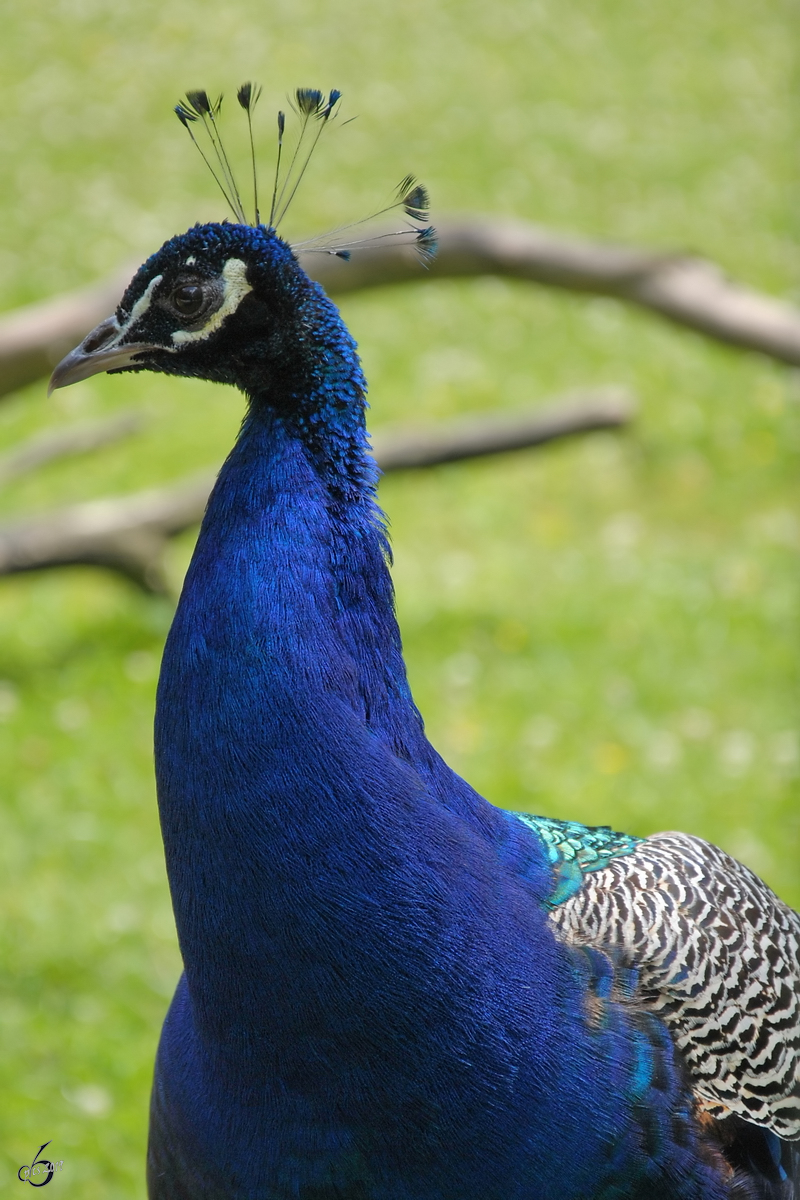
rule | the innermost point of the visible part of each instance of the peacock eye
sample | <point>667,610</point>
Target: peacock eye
<point>188,299</point>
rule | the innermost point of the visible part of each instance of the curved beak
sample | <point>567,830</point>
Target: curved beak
<point>99,351</point>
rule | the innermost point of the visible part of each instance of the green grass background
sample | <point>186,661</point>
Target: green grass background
<point>604,630</point>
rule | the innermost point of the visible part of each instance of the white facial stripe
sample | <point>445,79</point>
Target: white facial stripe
<point>236,287</point>
<point>191,260</point>
<point>140,307</point>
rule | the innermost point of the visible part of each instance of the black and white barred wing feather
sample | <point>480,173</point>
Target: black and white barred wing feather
<point>718,957</point>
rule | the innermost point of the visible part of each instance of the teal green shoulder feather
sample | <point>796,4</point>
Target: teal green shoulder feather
<point>575,849</point>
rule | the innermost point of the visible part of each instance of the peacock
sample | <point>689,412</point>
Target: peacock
<point>392,989</point>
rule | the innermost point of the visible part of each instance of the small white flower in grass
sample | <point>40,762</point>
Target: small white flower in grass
<point>736,751</point>
<point>122,918</point>
<point>664,751</point>
<point>9,700</point>
<point>88,1009</point>
<point>71,714</point>
<point>462,669</point>
<point>780,526</point>
<point>750,850</point>
<point>785,751</point>
<point>457,569</point>
<point>622,533</point>
<point>697,724</point>
<point>540,732</point>
<point>90,1098</point>
<point>83,827</point>
<point>141,666</point>
<point>618,691</point>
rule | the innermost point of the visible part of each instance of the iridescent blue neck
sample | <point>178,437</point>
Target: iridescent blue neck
<point>288,601</point>
<point>296,546</point>
<point>318,392</point>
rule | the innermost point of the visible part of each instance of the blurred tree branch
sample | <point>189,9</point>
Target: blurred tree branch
<point>34,338</point>
<point>128,534</point>
<point>53,444</point>
<point>687,290</point>
<point>402,449</point>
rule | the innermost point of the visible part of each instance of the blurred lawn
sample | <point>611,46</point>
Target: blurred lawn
<point>605,630</point>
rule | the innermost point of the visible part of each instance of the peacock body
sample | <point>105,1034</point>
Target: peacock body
<point>392,989</point>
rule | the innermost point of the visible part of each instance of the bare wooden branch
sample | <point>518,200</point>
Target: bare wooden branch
<point>53,444</point>
<point>450,441</point>
<point>128,534</point>
<point>124,533</point>
<point>688,290</point>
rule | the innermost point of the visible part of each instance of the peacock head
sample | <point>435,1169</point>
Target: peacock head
<point>223,301</point>
<point>217,302</point>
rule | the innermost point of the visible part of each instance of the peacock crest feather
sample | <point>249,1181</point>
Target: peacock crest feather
<point>314,111</point>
